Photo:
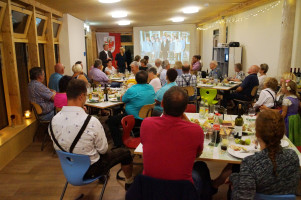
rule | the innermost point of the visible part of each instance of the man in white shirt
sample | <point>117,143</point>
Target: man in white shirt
<point>165,66</point>
<point>66,125</point>
<point>158,66</point>
<point>154,80</point>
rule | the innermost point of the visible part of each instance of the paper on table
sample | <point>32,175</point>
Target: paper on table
<point>215,153</point>
<point>139,149</point>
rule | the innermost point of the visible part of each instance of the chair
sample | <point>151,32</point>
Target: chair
<point>274,197</point>
<point>74,167</point>
<point>145,187</point>
<point>37,110</point>
<point>146,111</point>
<point>209,95</point>
<point>191,108</point>
<point>128,123</point>
<point>191,93</point>
<point>246,104</point>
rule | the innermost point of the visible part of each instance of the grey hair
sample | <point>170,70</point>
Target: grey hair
<point>165,63</point>
<point>135,63</point>
<point>158,61</point>
<point>214,62</point>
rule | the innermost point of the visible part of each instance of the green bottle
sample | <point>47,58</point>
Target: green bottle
<point>239,122</point>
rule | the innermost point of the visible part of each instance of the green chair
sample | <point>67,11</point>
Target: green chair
<point>209,95</point>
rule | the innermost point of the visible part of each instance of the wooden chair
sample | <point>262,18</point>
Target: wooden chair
<point>146,111</point>
<point>191,92</point>
<point>247,104</point>
<point>37,110</point>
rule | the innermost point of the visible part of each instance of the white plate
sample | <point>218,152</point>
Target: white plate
<point>284,143</point>
<point>238,154</point>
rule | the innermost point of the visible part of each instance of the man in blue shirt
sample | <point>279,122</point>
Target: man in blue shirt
<point>243,92</point>
<point>135,98</point>
<point>215,73</point>
<point>171,76</point>
<point>56,77</point>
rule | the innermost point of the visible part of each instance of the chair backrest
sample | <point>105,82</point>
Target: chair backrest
<point>36,109</point>
<point>128,123</point>
<point>189,90</point>
<point>74,166</point>
<point>146,111</point>
<point>145,187</point>
<point>208,94</point>
<point>254,91</point>
<point>275,197</point>
<point>191,108</point>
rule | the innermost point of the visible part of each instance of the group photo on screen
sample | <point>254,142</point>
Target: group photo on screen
<point>166,45</point>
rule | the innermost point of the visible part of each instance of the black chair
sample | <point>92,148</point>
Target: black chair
<point>37,110</point>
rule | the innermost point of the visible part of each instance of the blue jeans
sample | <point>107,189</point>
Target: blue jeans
<point>48,116</point>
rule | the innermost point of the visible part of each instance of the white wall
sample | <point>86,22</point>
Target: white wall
<point>259,36</point>
<point>72,43</point>
<point>296,58</point>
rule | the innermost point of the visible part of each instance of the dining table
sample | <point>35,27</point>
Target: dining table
<point>215,153</point>
<point>219,86</point>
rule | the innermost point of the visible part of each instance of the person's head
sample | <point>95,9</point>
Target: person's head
<point>288,76</point>
<point>290,87</point>
<point>137,58</point>
<point>37,73</point>
<point>171,75</point>
<point>76,92</point>
<point>134,67</point>
<point>158,63</point>
<point>271,83</point>
<point>238,67</point>
<point>109,64</point>
<point>253,69</point>
<point>175,101</point>
<point>122,50</point>
<point>152,73</point>
<point>63,83</point>
<point>143,62</point>
<point>185,68</point>
<point>165,64</point>
<point>213,64</point>
<point>263,68</point>
<point>178,65</point>
<point>59,68</point>
<point>146,58</point>
<point>196,58</point>
<point>77,68</point>
<point>97,63</point>
<point>80,62</point>
<point>270,129</point>
<point>141,77</point>
<point>106,47</point>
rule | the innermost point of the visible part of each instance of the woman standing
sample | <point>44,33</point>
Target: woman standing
<point>120,61</point>
<point>196,64</point>
<point>263,75</point>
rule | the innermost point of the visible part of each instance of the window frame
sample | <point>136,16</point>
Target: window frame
<point>127,43</point>
<point>42,39</point>
<point>29,13</point>
<point>56,39</point>
<point>3,6</point>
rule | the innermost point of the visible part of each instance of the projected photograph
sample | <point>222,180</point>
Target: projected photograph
<point>171,45</point>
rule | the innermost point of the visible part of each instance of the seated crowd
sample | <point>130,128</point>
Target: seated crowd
<point>273,170</point>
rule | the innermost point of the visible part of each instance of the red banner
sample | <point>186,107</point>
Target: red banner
<point>114,46</point>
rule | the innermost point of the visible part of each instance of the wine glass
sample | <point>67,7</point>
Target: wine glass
<point>251,112</point>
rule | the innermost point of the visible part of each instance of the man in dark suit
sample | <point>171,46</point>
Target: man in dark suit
<point>165,48</point>
<point>105,55</point>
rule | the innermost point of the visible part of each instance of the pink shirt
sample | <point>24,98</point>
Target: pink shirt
<point>196,66</point>
<point>156,83</point>
<point>60,100</point>
<point>170,146</point>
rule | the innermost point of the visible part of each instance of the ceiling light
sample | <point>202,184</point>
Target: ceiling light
<point>108,1</point>
<point>191,9</point>
<point>124,22</point>
<point>177,19</point>
<point>119,14</point>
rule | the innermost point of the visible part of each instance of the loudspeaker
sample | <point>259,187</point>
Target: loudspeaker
<point>234,44</point>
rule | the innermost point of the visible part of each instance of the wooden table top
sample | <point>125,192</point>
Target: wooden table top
<point>201,85</point>
<point>103,105</point>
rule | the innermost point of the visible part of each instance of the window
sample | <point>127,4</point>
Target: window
<point>3,113</point>
<point>126,38</point>
<point>57,53</point>
<point>56,27</point>
<point>21,57</point>
<point>19,21</point>
<point>42,61</point>
<point>40,26</point>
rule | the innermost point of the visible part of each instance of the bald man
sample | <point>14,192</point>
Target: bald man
<point>56,77</point>
<point>243,92</point>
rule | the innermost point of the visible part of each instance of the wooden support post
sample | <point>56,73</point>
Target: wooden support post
<point>33,48</point>
<point>94,46</point>
<point>89,53</point>
<point>10,65</point>
<point>50,59</point>
<point>286,37</point>
<point>222,38</point>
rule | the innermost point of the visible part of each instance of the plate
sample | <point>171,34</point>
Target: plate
<point>93,101</point>
<point>238,154</point>
<point>284,143</point>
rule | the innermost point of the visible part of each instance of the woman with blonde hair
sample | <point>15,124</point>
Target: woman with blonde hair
<point>267,96</point>
<point>120,61</point>
<point>178,66</point>
<point>78,73</point>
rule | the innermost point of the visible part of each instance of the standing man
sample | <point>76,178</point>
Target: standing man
<point>56,77</point>
<point>165,48</point>
<point>105,56</point>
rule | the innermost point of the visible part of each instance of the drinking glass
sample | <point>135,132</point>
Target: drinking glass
<point>251,112</point>
<point>202,112</point>
<point>225,142</point>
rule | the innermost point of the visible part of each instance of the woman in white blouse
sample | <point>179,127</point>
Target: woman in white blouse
<point>110,69</point>
<point>267,96</point>
<point>262,76</point>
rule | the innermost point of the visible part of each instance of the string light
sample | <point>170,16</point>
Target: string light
<point>232,19</point>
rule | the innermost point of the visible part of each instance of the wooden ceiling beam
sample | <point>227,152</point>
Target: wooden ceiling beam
<point>42,7</point>
<point>239,8</point>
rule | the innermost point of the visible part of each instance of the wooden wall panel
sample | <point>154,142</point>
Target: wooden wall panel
<point>33,50</point>
<point>50,58</point>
